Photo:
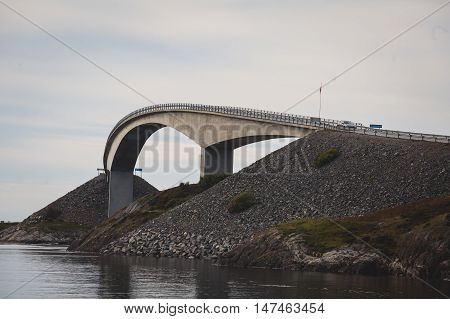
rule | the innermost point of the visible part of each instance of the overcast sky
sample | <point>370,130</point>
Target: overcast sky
<point>56,109</point>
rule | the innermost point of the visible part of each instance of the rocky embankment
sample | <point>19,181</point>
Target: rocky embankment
<point>271,249</point>
<point>141,211</point>
<point>412,239</point>
<point>370,174</point>
<point>71,216</point>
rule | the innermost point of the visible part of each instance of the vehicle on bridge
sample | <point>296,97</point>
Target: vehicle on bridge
<point>348,125</point>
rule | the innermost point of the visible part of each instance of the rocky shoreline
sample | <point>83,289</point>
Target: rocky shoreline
<point>421,246</point>
<point>272,250</point>
<point>26,235</point>
<point>186,245</point>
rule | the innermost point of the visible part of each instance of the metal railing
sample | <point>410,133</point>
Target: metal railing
<point>277,117</point>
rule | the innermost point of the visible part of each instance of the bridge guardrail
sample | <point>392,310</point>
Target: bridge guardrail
<point>280,118</point>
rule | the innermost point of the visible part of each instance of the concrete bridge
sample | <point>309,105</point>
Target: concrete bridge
<point>217,129</point>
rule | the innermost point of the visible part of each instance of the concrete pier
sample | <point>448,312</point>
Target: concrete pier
<point>120,190</point>
<point>217,160</point>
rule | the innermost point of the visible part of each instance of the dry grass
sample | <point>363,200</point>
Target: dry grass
<point>56,226</point>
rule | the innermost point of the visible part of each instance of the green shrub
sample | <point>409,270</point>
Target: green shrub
<point>4,225</point>
<point>175,196</point>
<point>326,157</point>
<point>53,226</point>
<point>241,202</point>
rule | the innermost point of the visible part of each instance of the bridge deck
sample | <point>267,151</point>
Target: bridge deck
<point>281,118</point>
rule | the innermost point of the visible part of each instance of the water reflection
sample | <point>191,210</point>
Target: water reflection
<point>53,273</point>
<point>114,278</point>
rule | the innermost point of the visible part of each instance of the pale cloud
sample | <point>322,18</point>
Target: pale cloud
<point>21,199</point>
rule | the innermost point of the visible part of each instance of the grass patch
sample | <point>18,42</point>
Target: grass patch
<point>4,225</point>
<point>241,202</point>
<point>325,157</point>
<point>383,229</point>
<point>56,226</point>
<point>320,234</point>
<point>172,197</point>
<point>131,222</point>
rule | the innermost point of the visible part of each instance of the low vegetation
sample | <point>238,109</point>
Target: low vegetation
<point>172,197</point>
<point>241,202</point>
<point>57,226</point>
<point>325,157</point>
<point>52,222</point>
<point>4,225</point>
<point>384,229</point>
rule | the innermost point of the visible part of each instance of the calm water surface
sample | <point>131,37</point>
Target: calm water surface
<point>50,272</point>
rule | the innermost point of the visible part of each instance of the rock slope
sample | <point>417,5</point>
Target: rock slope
<point>370,174</point>
<point>411,239</point>
<point>140,212</point>
<point>272,250</point>
<point>70,216</point>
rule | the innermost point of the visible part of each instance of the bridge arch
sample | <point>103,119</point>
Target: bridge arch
<point>217,130</point>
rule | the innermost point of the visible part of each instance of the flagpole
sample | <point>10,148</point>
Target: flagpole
<point>320,99</point>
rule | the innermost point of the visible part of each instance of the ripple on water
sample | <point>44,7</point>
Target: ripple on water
<point>51,272</point>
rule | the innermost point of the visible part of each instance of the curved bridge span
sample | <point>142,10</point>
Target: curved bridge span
<point>217,129</point>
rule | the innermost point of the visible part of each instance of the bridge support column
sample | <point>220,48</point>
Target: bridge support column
<point>120,190</point>
<point>217,160</point>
